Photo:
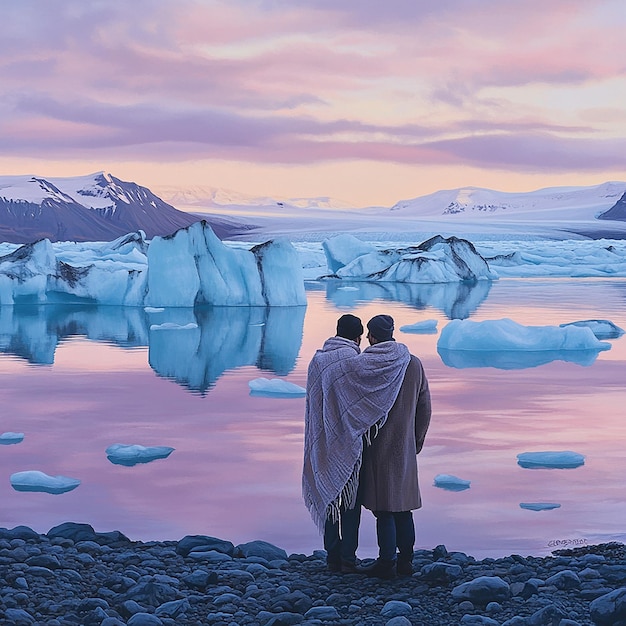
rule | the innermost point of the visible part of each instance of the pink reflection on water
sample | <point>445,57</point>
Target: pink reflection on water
<point>235,471</point>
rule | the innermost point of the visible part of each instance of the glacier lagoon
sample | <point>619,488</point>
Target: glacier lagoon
<point>77,380</point>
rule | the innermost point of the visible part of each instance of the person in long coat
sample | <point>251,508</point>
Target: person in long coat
<point>389,484</point>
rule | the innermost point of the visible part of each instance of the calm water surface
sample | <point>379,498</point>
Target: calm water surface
<point>76,380</point>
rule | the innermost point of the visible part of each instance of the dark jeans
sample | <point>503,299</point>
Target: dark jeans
<point>342,538</point>
<point>395,530</point>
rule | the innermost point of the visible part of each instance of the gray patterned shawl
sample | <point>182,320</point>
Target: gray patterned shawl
<point>350,396</point>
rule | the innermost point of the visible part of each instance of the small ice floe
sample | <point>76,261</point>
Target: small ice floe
<point>133,454</point>
<point>539,506</point>
<point>276,388</point>
<point>602,329</point>
<point>426,327</point>
<point>6,439</point>
<point>153,309</point>
<point>172,326</point>
<point>550,460</point>
<point>451,483</point>
<point>34,480</point>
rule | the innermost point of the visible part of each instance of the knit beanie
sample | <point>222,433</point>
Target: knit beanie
<point>381,327</point>
<point>349,326</point>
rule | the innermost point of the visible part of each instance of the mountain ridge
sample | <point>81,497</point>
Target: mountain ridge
<point>96,207</point>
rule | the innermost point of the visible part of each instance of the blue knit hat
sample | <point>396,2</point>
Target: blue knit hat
<point>381,327</point>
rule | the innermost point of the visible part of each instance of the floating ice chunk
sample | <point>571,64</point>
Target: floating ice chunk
<point>129,455</point>
<point>602,329</point>
<point>34,480</point>
<point>451,483</point>
<point>539,506</point>
<point>424,327</point>
<point>172,326</point>
<point>6,439</point>
<point>275,387</point>
<point>153,309</point>
<point>556,460</point>
<point>505,334</point>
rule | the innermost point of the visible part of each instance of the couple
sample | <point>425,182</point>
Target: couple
<point>366,418</point>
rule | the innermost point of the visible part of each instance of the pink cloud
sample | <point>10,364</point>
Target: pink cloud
<point>308,81</point>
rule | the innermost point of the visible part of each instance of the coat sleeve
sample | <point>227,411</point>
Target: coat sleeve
<point>422,411</point>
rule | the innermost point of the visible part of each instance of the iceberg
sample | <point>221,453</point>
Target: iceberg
<point>7,439</point>
<point>437,260</point>
<point>188,268</point>
<point>275,387</point>
<point>34,480</point>
<point>539,506</point>
<point>133,454</point>
<point>602,329</point>
<point>424,327</point>
<point>550,460</point>
<point>193,267</point>
<point>451,483</point>
<point>505,334</point>
<point>343,249</point>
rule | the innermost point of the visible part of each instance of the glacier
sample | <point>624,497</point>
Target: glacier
<point>191,267</point>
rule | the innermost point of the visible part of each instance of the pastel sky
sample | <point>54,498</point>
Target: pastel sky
<point>369,102</point>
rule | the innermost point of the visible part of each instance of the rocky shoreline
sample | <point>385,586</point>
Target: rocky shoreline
<point>74,576</point>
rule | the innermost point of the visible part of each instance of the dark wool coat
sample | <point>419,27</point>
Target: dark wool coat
<point>388,480</point>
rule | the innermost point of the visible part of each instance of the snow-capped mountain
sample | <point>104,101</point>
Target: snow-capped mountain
<point>198,198</point>
<point>553,203</point>
<point>98,207</point>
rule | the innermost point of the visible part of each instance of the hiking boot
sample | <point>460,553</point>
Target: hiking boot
<point>333,566</point>
<point>349,567</point>
<point>404,568</point>
<point>379,569</point>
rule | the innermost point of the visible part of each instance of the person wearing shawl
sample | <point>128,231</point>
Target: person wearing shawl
<point>340,529</point>
<point>389,477</point>
<point>348,405</point>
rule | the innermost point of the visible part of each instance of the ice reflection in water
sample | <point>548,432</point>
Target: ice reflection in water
<point>236,470</point>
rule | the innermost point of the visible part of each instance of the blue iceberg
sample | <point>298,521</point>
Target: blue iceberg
<point>505,344</point>
<point>451,483</point>
<point>34,480</point>
<point>539,506</point>
<point>275,387</point>
<point>550,460</point>
<point>6,439</point>
<point>133,454</point>
<point>426,327</point>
